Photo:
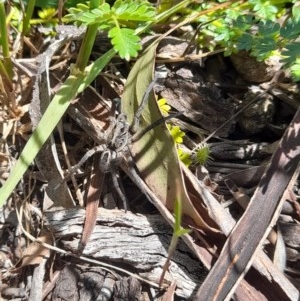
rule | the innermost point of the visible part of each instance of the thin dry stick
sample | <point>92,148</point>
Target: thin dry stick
<point>65,152</point>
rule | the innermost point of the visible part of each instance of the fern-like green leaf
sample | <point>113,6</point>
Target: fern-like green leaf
<point>264,47</point>
<point>295,70</point>
<point>133,10</point>
<point>73,11</point>
<point>245,42</point>
<point>243,23</point>
<point>291,53</point>
<point>224,36</point>
<point>82,14</point>
<point>296,12</point>
<point>265,9</point>
<point>125,42</point>
<point>291,30</point>
<point>268,28</point>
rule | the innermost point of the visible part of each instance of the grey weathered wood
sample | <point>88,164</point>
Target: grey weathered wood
<point>139,241</point>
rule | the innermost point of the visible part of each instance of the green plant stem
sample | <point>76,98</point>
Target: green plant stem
<point>3,71</point>
<point>3,31</point>
<point>27,18</point>
<point>86,47</point>
<point>8,73</point>
<point>88,40</point>
<point>178,231</point>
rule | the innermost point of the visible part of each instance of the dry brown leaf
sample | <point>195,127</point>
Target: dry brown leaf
<point>36,252</point>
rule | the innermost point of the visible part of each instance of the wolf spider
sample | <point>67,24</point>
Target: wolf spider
<point>116,148</point>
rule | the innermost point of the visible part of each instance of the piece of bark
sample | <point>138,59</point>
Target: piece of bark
<point>241,150</point>
<point>140,242</point>
<point>78,283</point>
<point>66,286</point>
<point>201,103</point>
<point>128,288</point>
<point>91,283</point>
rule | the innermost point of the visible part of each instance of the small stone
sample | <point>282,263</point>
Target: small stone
<point>254,71</point>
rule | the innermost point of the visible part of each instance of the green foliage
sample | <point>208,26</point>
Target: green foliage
<point>291,52</point>
<point>272,38</point>
<point>133,11</point>
<point>249,26</point>
<point>253,27</point>
<point>267,9</point>
<point>83,15</point>
<point>125,42</point>
<point>295,69</point>
<point>225,26</point>
<point>291,29</point>
<point>122,20</point>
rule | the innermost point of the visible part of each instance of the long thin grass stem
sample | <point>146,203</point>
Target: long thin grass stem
<point>7,64</point>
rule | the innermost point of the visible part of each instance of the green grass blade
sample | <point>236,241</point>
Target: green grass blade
<point>75,84</point>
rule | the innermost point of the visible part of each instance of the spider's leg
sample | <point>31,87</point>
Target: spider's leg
<point>139,182</point>
<point>108,164</point>
<point>151,126</point>
<point>118,186</point>
<point>88,154</point>
<point>120,137</point>
<point>136,119</point>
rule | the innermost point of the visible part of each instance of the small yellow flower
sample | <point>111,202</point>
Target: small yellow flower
<point>176,133</point>
<point>47,13</point>
<point>164,107</point>
<point>184,157</point>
